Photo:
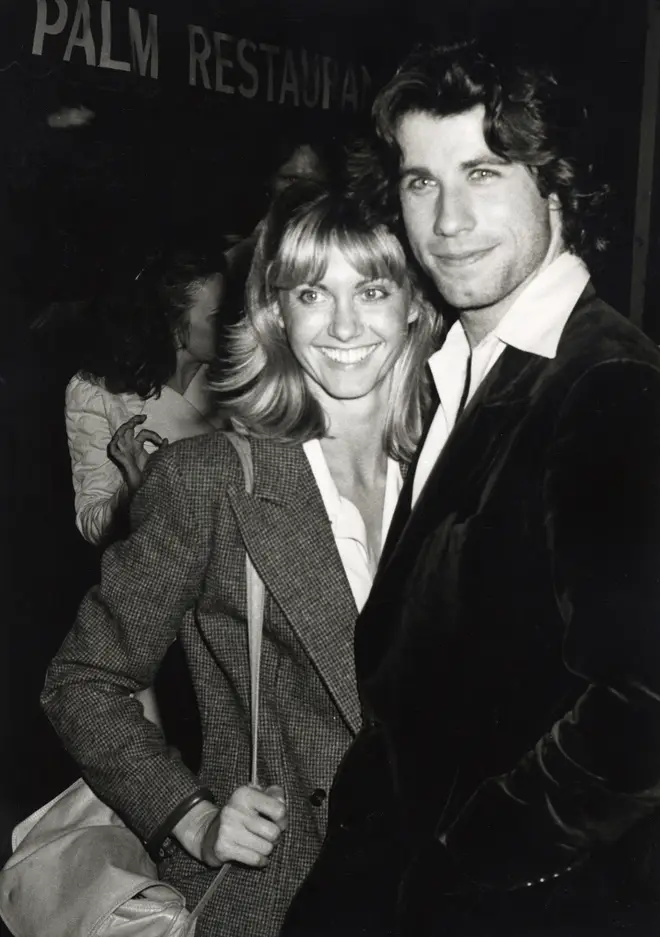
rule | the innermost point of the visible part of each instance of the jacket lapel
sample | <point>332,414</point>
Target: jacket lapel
<point>403,505</point>
<point>287,533</point>
<point>466,457</point>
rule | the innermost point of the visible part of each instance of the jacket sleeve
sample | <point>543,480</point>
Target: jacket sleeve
<point>97,483</point>
<point>123,629</point>
<point>597,771</point>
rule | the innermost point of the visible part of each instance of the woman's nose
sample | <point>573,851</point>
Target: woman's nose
<point>345,323</point>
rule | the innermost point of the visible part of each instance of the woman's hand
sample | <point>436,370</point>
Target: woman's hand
<point>245,830</point>
<point>127,450</point>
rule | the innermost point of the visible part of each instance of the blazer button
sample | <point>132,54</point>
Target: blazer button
<point>317,797</point>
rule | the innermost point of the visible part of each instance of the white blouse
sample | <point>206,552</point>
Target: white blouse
<point>348,527</point>
<point>93,415</point>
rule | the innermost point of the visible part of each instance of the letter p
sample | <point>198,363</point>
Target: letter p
<point>43,27</point>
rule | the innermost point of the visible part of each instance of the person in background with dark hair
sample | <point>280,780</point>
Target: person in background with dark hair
<point>302,154</point>
<point>145,365</point>
<point>144,356</point>
<point>300,158</point>
<point>507,778</point>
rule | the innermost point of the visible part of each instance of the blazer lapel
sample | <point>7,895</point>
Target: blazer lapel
<point>289,538</point>
<point>404,502</point>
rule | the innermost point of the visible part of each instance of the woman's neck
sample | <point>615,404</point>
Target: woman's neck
<point>355,436</point>
<point>186,369</point>
<point>353,450</point>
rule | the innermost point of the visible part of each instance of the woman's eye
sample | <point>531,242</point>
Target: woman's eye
<point>373,293</point>
<point>309,296</point>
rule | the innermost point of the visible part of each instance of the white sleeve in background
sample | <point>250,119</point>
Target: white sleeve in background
<point>97,482</point>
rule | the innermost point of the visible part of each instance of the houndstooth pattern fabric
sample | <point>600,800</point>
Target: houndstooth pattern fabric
<point>182,572</point>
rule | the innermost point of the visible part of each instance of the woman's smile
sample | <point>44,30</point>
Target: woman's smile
<point>348,356</point>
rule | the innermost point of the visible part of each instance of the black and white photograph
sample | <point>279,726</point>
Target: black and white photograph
<point>330,468</point>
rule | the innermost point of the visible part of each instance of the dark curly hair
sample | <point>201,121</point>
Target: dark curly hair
<point>530,118</point>
<point>132,330</point>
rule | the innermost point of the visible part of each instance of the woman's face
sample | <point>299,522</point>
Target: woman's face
<point>346,331</point>
<point>200,333</point>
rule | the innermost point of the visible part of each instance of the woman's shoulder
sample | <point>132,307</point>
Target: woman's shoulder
<point>214,456</point>
<point>213,450</point>
<point>83,391</point>
<point>81,386</point>
<point>206,465</point>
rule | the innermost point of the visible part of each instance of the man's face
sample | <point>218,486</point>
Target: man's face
<point>477,224</point>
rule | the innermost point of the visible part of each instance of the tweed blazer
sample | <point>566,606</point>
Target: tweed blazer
<point>182,573</point>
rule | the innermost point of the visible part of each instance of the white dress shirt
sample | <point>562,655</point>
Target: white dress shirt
<point>534,323</point>
<point>348,528</point>
<point>93,415</point>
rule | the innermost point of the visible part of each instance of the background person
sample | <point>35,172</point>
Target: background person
<point>325,376</point>
<point>302,154</point>
<point>144,366</point>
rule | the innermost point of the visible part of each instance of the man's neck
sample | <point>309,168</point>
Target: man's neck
<point>478,323</point>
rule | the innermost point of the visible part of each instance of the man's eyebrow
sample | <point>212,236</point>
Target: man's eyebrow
<point>486,159</point>
<point>415,171</point>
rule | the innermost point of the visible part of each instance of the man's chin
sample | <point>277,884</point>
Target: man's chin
<point>464,297</point>
<point>464,300</point>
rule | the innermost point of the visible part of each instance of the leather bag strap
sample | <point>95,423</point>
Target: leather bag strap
<point>256,595</point>
<point>255,608</point>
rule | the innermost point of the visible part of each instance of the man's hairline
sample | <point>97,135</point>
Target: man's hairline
<point>428,111</point>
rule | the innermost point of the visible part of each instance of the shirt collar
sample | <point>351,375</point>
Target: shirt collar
<point>324,480</point>
<point>344,522</point>
<point>537,317</point>
<point>534,323</point>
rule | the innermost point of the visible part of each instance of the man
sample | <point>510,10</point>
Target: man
<point>507,778</point>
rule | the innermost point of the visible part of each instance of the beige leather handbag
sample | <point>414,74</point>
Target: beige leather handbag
<point>78,871</point>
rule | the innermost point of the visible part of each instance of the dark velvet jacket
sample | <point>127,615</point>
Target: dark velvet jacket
<point>508,658</point>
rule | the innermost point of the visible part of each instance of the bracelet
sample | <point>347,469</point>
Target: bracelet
<point>161,845</point>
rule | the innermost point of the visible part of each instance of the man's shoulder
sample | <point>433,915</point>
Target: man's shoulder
<point>596,334</point>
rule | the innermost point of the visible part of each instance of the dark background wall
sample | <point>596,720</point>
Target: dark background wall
<point>161,155</point>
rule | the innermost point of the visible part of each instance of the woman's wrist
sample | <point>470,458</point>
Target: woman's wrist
<point>192,828</point>
<point>160,845</point>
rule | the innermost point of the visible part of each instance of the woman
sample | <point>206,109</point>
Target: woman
<point>326,378</point>
<point>145,364</point>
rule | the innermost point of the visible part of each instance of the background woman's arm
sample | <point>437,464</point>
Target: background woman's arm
<point>100,492</point>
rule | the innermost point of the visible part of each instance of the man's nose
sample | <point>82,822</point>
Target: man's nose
<point>345,323</point>
<point>453,213</point>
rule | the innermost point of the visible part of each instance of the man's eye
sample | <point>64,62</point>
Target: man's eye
<point>420,184</point>
<point>482,175</point>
